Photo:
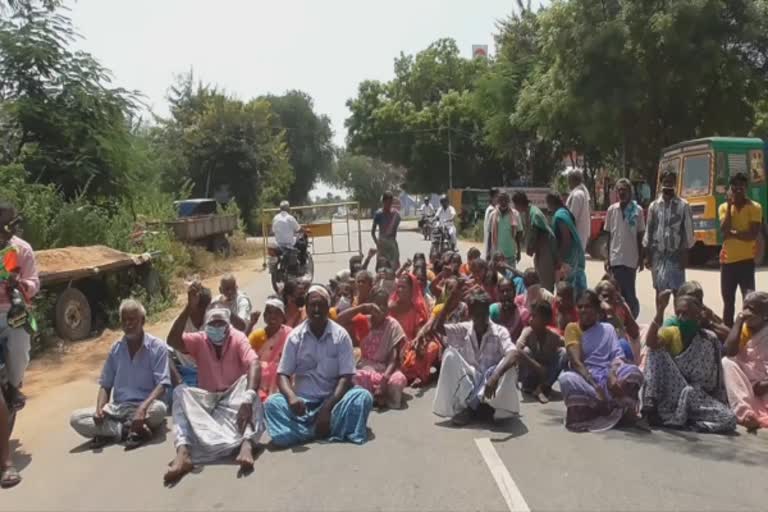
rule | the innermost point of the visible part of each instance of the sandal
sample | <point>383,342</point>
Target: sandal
<point>10,478</point>
<point>135,439</point>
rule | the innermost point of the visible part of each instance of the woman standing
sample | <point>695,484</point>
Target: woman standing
<point>683,372</point>
<point>601,388</point>
<point>570,251</point>
<point>268,343</point>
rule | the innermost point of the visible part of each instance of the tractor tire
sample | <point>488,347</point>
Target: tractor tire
<point>73,315</point>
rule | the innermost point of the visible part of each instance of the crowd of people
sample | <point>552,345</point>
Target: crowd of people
<point>317,358</point>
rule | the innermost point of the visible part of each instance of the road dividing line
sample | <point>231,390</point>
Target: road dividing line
<point>507,486</point>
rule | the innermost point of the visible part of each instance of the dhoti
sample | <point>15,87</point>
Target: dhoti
<point>462,386</point>
<point>115,416</point>
<point>206,422</point>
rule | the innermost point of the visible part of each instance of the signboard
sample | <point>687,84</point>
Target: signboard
<point>479,51</point>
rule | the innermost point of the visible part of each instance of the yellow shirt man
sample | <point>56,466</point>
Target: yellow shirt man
<point>735,250</point>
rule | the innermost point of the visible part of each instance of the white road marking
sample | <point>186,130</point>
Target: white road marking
<point>507,486</point>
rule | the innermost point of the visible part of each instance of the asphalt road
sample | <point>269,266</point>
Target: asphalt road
<point>413,462</point>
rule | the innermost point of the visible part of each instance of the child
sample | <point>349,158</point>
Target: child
<point>565,307</point>
<point>472,255</point>
<point>542,354</point>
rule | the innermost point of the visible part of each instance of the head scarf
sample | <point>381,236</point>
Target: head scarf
<point>275,303</point>
<point>321,290</point>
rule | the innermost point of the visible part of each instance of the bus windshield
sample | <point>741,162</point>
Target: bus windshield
<point>696,176</point>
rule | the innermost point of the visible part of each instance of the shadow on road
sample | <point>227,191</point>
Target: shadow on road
<point>21,459</point>
<point>513,427</point>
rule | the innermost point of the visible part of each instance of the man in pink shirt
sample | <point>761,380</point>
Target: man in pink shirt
<point>224,414</point>
<point>24,278</point>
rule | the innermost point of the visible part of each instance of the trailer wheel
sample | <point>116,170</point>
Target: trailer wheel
<point>73,315</point>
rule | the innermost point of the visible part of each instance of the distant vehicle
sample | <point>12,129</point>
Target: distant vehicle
<point>441,241</point>
<point>200,222</point>
<point>285,263</point>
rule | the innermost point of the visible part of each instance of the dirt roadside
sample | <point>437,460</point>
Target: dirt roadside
<point>84,359</point>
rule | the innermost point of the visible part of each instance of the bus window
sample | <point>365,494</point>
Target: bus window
<point>696,176</point>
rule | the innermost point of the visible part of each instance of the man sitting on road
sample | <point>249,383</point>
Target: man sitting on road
<point>135,377</point>
<point>224,413</point>
<point>236,301</point>
<point>446,217</point>
<point>316,399</point>
<point>478,375</point>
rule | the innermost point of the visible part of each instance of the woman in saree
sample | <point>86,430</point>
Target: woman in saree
<point>377,371</point>
<point>616,312</point>
<point>684,385</point>
<point>268,343</point>
<point>408,307</point>
<point>746,363</point>
<point>570,250</point>
<point>601,388</point>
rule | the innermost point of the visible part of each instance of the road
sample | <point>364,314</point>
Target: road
<point>413,462</point>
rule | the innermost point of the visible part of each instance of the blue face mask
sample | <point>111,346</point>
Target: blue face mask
<point>217,335</point>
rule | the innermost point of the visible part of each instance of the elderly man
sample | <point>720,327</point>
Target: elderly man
<point>236,301</point>
<point>22,277</point>
<point>505,230</point>
<point>224,413</point>
<point>578,204</point>
<point>316,399</point>
<point>478,375</point>
<point>133,383</point>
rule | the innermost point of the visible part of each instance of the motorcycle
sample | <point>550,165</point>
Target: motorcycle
<point>441,240</point>
<point>426,227</point>
<point>288,262</point>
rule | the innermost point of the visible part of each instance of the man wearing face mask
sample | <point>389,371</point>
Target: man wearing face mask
<point>132,385</point>
<point>316,399</point>
<point>224,414</point>
<point>669,236</point>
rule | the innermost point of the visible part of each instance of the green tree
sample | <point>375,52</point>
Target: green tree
<point>309,139</point>
<point>367,178</point>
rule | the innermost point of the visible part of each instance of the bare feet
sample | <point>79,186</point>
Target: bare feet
<point>180,466</point>
<point>9,476</point>
<point>245,457</point>
<point>540,395</point>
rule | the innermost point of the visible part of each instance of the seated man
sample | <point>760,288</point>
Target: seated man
<point>183,367</point>
<point>316,399</point>
<point>224,413</point>
<point>477,373</point>
<point>237,302</point>
<point>136,375</point>
<point>542,354</point>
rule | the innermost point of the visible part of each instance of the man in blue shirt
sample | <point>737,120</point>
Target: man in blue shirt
<point>136,375</point>
<point>320,402</point>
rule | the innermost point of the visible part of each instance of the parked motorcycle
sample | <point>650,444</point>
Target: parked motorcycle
<point>293,262</point>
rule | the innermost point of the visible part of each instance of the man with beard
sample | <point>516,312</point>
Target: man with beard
<point>504,226</point>
<point>133,383</point>
<point>316,399</point>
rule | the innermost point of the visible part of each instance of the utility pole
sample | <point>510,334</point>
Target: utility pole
<point>450,159</point>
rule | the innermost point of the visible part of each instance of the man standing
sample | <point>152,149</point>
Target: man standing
<point>25,279</point>
<point>387,221</point>
<point>578,204</point>
<point>236,301</point>
<point>224,414</point>
<point>493,193</point>
<point>740,223</point>
<point>316,399</point>
<point>446,217</point>
<point>285,227</point>
<point>135,377</point>
<point>504,230</point>
<point>668,236</point>
<point>625,226</point>
<point>478,371</point>
<point>540,240</point>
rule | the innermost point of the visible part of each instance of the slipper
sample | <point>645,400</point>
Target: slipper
<point>10,478</point>
<point>135,439</point>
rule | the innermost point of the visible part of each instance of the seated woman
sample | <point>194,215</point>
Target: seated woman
<point>481,277</point>
<point>420,271</point>
<point>564,309</point>
<point>377,371</point>
<point>408,307</point>
<point>746,363</point>
<point>506,312</point>
<point>503,270</point>
<point>616,312</point>
<point>268,343</point>
<point>533,293</point>
<point>601,388</point>
<point>683,373</point>
<point>460,311</point>
<point>716,324</point>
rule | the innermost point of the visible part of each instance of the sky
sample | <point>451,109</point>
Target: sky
<point>254,47</point>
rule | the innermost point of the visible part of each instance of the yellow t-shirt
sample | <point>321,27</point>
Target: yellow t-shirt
<point>740,250</point>
<point>257,339</point>
<point>572,334</point>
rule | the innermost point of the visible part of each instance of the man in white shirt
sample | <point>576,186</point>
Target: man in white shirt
<point>285,227</point>
<point>494,192</point>
<point>578,204</point>
<point>445,216</point>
